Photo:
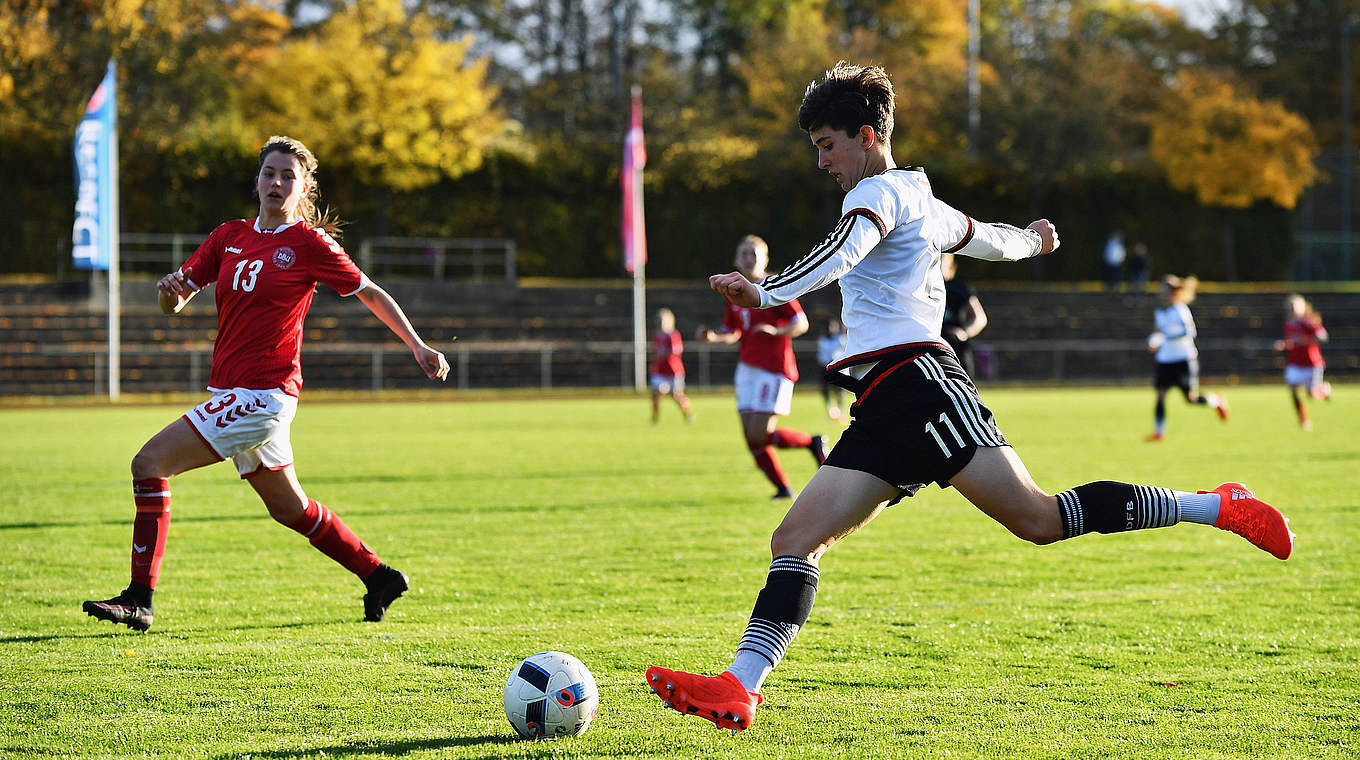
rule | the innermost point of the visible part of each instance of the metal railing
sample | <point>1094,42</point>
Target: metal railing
<point>559,364</point>
<point>476,259</point>
<point>442,258</point>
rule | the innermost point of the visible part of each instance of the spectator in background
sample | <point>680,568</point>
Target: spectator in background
<point>830,347</point>
<point>766,370</point>
<point>1113,259</point>
<point>963,315</point>
<point>1177,358</point>
<point>1139,264</point>
<point>1303,336</point>
<point>668,370</point>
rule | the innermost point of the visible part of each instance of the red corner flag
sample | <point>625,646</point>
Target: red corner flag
<point>634,229</point>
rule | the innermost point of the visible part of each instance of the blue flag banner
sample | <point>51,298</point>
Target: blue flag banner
<point>92,236</point>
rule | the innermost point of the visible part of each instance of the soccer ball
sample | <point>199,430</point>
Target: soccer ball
<point>550,694</point>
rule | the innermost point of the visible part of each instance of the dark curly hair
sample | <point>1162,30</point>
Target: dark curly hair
<point>315,218</point>
<point>847,98</point>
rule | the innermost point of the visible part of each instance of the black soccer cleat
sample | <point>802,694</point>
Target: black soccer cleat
<point>121,609</point>
<point>385,585</point>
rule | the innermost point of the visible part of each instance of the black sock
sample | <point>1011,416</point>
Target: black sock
<point>139,593</point>
<point>1109,507</point>
<point>781,608</point>
<point>1161,412</point>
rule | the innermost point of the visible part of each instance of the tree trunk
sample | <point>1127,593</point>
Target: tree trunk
<point>1229,245</point>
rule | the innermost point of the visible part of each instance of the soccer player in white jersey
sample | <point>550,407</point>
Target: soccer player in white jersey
<point>266,270</point>
<point>917,418</point>
<point>1173,342</point>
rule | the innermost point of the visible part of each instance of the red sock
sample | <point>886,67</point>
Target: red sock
<point>149,528</point>
<point>768,463</point>
<point>785,438</point>
<point>329,534</point>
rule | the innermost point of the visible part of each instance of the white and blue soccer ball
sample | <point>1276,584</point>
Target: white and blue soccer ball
<point>550,694</point>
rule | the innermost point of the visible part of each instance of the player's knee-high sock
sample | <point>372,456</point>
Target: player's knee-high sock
<point>768,462</point>
<point>149,530</point>
<point>786,438</point>
<point>1160,415</point>
<point>1110,507</point>
<point>329,534</point>
<point>781,609</point>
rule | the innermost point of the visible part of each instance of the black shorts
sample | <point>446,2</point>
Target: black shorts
<point>917,419</point>
<point>1183,375</point>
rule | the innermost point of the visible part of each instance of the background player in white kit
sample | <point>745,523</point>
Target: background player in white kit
<point>918,419</point>
<point>1177,357</point>
<point>266,271</point>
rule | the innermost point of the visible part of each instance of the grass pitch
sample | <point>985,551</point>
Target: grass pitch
<point>577,525</point>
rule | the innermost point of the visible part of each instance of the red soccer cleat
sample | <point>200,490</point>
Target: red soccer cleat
<point>1221,407</point>
<point>721,699</point>
<point>1240,512</point>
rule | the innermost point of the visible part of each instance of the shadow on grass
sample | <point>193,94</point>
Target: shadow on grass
<point>390,748</point>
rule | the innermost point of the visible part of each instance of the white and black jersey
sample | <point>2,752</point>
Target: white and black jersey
<point>885,252</point>
<point>1178,332</point>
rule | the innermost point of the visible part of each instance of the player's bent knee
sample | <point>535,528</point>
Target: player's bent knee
<point>286,511</point>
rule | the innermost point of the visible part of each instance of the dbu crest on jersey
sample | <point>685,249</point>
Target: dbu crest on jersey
<point>284,257</point>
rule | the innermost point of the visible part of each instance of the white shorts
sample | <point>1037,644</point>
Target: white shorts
<point>759,390</point>
<point>1306,377</point>
<point>249,426</point>
<point>668,383</point>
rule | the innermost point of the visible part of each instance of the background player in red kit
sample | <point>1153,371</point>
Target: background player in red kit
<point>266,270</point>
<point>1303,336</point>
<point>766,369</point>
<point>668,370</point>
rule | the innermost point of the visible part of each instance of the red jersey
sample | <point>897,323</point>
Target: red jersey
<point>1301,341</point>
<point>772,353</point>
<point>666,350</point>
<point>265,283</point>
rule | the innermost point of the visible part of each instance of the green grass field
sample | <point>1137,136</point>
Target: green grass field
<point>574,524</point>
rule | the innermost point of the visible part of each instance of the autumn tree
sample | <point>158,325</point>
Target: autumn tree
<point>1231,149</point>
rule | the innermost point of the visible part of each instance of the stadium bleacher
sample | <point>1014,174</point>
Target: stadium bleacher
<point>52,337</point>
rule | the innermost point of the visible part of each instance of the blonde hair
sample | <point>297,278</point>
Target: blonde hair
<point>1309,311</point>
<point>757,243</point>
<point>315,218</point>
<point>1182,288</point>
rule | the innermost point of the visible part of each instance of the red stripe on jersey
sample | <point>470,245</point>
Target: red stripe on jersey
<point>967,236</point>
<point>871,216</point>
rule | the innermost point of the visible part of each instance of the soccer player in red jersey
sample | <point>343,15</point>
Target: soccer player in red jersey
<point>917,417</point>
<point>266,270</point>
<point>668,370</point>
<point>1303,336</point>
<point>766,370</point>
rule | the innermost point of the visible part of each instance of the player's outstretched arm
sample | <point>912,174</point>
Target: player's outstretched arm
<point>737,289</point>
<point>386,309</point>
<point>175,291</point>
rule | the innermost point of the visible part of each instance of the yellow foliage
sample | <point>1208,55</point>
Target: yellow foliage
<point>1229,147</point>
<point>378,87</point>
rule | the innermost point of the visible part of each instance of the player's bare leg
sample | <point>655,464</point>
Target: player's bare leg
<point>835,504</point>
<point>175,449</point>
<point>288,504</point>
<point>997,482</point>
